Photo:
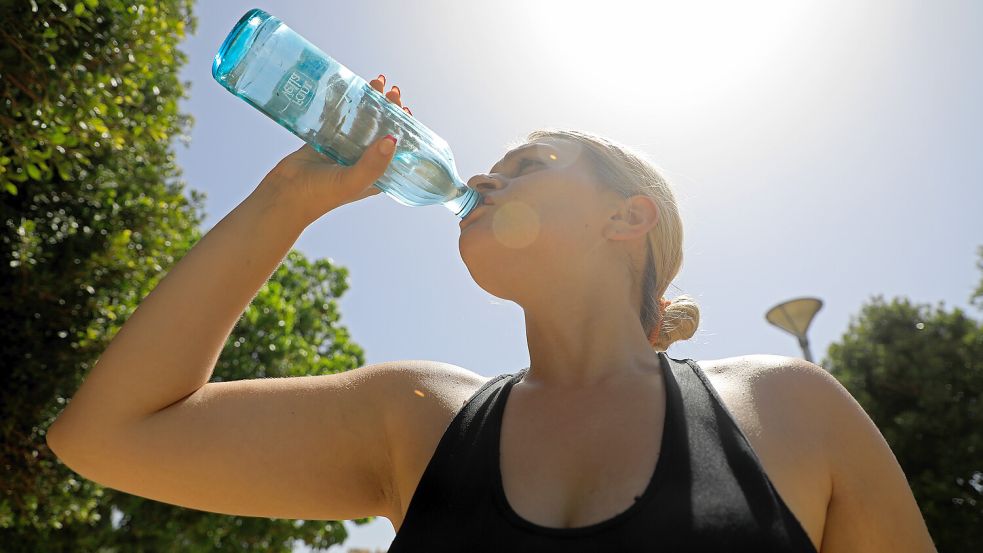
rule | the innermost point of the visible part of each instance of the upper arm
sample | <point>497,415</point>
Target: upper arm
<point>871,508</point>
<point>311,447</point>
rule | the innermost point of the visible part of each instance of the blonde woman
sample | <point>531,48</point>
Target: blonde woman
<point>604,443</point>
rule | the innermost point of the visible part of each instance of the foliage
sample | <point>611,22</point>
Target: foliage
<point>86,224</point>
<point>291,329</point>
<point>977,298</point>
<point>82,80</point>
<point>918,372</point>
<point>92,215</point>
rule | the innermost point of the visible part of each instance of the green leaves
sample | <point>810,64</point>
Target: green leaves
<point>95,64</point>
<point>33,171</point>
<point>94,214</point>
<point>290,327</point>
<point>80,7</point>
<point>918,372</point>
<point>977,298</point>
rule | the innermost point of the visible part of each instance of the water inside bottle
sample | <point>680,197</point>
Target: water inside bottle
<point>340,115</point>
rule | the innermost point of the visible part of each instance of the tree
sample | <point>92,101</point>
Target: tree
<point>918,372</point>
<point>93,214</point>
<point>977,298</point>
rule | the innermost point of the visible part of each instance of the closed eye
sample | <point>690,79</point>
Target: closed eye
<point>523,162</point>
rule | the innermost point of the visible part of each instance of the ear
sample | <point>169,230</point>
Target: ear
<point>633,217</point>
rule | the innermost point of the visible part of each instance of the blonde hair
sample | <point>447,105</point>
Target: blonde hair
<point>630,173</point>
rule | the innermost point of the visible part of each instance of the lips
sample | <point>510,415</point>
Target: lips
<point>485,201</point>
<point>471,216</point>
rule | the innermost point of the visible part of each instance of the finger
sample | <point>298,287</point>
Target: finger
<point>378,83</point>
<point>304,150</point>
<point>369,167</point>
<point>371,191</point>
<point>407,110</point>
<point>393,95</point>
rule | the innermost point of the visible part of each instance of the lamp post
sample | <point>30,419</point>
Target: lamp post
<point>794,316</point>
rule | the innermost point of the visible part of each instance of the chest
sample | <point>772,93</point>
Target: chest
<point>579,460</point>
<point>582,460</point>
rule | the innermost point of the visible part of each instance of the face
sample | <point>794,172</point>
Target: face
<point>546,221</point>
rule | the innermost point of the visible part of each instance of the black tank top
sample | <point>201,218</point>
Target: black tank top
<point>708,491</point>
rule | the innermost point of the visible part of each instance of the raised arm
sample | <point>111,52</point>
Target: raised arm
<point>167,349</point>
<point>144,419</point>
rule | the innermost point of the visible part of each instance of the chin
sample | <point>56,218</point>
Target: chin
<point>485,269</point>
<point>502,272</point>
<point>508,250</point>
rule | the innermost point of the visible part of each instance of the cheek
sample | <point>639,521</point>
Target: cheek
<point>516,224</point>
<point>543,219</point>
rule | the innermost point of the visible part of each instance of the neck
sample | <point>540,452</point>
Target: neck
<point>584,341</point>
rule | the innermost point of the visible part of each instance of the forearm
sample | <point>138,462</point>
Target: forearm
<point>169,346</point>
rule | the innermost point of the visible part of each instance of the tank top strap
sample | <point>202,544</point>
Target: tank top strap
<point>708,493</point>
<point>721,463</point>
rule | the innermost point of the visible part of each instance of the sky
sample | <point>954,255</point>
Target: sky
<point>826,149</point>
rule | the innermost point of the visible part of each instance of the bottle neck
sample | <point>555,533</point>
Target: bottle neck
<point>463,204</point>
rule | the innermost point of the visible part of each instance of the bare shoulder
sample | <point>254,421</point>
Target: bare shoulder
<point>870,506</point>
<point>425,398</point>
<point>756,366</point>
<point>778,403</point>
<point>790,383</point>
<point>432,383</point>
<point>786,395</point>
<point>425,392</point>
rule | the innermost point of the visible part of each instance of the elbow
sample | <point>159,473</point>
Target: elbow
<point>55,440</point>
<point>60,441</point>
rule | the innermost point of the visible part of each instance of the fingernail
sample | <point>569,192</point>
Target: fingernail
<point>388,144</point>
<point>382,78</point>
<point>396,88</point>
<point>408,110</point>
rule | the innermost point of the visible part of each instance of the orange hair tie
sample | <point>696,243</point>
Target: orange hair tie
<point>656,330</point>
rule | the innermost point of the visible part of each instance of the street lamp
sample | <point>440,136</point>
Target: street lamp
<point>794,317</point>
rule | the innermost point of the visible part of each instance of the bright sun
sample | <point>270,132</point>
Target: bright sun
<point>679,53</point>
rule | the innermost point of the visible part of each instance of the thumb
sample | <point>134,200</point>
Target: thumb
<point>371,165</point>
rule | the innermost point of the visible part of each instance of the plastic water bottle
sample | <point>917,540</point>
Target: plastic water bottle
<point>338,113</point>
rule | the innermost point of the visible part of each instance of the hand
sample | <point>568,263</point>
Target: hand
<point>317,184</point>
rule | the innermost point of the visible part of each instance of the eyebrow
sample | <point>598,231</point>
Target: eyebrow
<point>517,152</point>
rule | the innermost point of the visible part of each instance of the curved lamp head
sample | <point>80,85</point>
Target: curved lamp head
<point>794,316</point>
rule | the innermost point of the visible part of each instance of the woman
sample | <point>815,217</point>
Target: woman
<point>604,443</point>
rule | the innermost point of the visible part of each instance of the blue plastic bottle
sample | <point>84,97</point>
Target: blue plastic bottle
<point>337,112</point>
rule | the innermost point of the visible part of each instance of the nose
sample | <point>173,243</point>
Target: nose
<point>484,182</point>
